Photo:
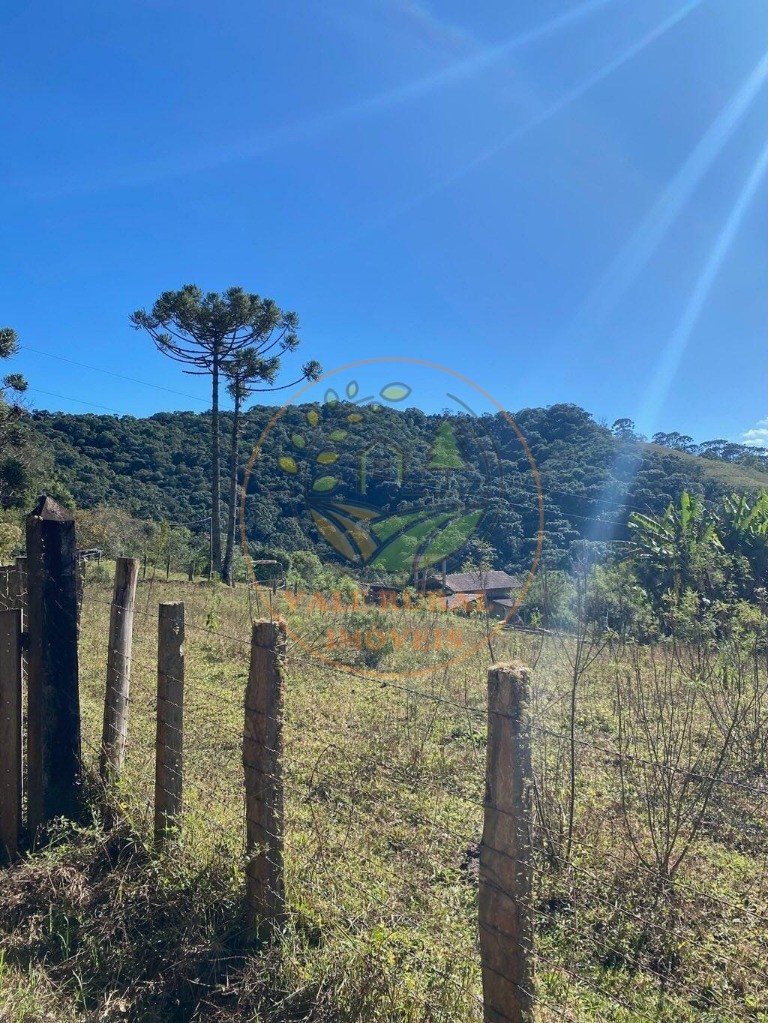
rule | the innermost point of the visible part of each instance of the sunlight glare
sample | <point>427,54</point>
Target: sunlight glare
<point>640,248</point>
<point>672,355</point>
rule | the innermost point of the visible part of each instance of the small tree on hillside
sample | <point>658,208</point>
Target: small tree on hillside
<point>624,429</point>
<point>204,331</point>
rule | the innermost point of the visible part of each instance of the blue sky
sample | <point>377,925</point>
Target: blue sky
<point>563,200</point>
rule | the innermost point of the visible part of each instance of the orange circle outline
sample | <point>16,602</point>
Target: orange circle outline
<point>459,376</point>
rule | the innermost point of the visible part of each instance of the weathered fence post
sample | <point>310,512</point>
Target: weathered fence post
<point>7,587</point>
<point>53,738</point>
<point>170,721</point>
<point>505,911</point>
<point>20,586</point>
<point>262,762</point>
<point>21,589</point>
<point>10,733</point>
<point>115,727</point>
<point>80,582</point>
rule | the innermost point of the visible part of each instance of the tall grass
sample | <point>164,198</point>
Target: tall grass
<point>384,791</point>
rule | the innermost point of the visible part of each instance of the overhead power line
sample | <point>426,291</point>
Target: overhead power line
<point>111,373</point>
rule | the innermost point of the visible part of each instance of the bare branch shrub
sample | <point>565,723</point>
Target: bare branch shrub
<point>672,752</point>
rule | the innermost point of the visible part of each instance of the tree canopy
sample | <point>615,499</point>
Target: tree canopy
<point>160,467</point>
<point>206,332</point>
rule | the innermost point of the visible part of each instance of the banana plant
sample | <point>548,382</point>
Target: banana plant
<point>675,546</point>
<point>743,530</point>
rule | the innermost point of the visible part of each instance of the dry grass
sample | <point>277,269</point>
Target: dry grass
<point>384,785</point>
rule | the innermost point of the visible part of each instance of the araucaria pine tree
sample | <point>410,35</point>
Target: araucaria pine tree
<point>244,371</point>
<point>205,332</point>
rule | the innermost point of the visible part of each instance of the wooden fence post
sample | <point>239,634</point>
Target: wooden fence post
<point>170,721</point>
<point>505,911</point>
<point>20,599</point>
<point>80,583</point>
<point>262,762</point>
<point>115,727</point>
<point>10,733</point>
<point>21,589</point>
<point>7,587</point>
<point>53,738</point>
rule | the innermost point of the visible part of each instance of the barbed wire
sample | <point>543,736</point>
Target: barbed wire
<point>344,809</point>
<point>404,775</point>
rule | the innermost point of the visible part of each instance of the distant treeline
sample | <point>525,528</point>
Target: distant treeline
<point>724,450</point>
<point>592,476</point>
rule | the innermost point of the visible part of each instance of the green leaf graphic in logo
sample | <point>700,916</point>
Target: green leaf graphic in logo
<point>395,392</point>
<point>445,451</point>
<point>428,539</point>
<point>450,539</point>
<point>386,528</point>
<point>392,543</point>
<point>360,533</point>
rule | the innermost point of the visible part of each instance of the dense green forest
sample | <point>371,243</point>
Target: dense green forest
<point>592,477</point>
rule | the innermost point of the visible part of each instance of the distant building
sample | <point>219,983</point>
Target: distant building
<point>494,590</point>
<point>90,554</point>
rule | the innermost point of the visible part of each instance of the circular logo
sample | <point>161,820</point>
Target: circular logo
<point>420,509</point>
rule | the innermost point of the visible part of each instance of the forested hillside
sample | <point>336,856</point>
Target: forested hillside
<point>591,477</point>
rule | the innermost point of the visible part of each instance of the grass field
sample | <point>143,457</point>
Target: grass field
<point>384,791</point>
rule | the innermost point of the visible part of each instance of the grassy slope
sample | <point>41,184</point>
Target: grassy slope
<point>730,476</point>
<point>384,786</point>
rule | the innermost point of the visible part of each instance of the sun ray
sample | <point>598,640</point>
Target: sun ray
<point>641,246</point>
<point>549,111</point>
<point>247,148</point>
<point>672,356</point>
<point>471,66</point>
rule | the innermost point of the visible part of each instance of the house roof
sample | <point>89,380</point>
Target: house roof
<point>454,600</point>
<point>480,582</point>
